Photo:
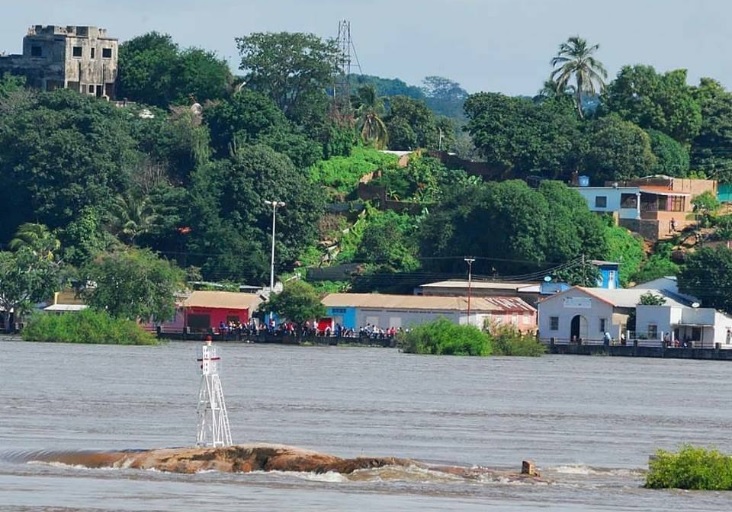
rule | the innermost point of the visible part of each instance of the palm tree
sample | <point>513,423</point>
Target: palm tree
<point>38,238</point>
<point>576,60</point>
<point>131,216</point>
<point>369,109</point>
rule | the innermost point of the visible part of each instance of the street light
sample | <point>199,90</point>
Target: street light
<point>274,205</point>
<point>469,261</point>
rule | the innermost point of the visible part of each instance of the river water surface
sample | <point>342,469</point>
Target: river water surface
<point>589,423</point>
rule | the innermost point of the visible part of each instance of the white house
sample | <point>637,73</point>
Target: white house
<point>702,327</point>
<point>625,201</point>
<point>587,313</point>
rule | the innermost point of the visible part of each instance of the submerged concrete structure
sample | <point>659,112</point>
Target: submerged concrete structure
<point>82,58</point>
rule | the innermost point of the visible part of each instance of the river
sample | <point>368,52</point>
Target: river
<point>589,423</point>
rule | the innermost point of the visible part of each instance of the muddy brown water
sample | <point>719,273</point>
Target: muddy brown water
<point>589,423</point>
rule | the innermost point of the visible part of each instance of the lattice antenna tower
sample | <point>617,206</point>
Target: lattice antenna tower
<point>345,60</point>
<point>213,420</point>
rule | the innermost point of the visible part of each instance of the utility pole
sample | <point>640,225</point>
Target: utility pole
<point>469,261</point>
<point>274,205</point>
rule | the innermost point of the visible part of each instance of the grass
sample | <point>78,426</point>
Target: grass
<point>88,326</point>
<point>691,468</point>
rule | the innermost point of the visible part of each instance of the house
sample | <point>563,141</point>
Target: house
<point>653,206</point>
<point>679,325</point>
<point>82,58</point>
<point>205,310</point>
<point>585,314</point>
<point>356,310</point>
<point>65,301</point>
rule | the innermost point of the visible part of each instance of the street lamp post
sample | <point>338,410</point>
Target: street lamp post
<point>469,261</point>
<point>274,205</point>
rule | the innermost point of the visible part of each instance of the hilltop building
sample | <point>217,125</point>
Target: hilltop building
<point>81,58</point>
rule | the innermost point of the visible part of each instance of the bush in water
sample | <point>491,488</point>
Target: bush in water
<point>691,468</point>
<point>443,337</point>
<point>86,326</point>
<point>507,341</point>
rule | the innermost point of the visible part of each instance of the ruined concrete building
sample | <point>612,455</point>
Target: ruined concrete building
<point>80,58</point>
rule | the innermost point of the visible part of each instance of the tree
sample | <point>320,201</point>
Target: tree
<point>672,158</point>
<point>38,239</point>
<point>294,69</point>
<point>653,101</point>
<point>59,154</point>
<point>298,303</point>
<point>707,275</point>
<point>617,150</point>
<point>423,130</point>
<point>25,279</point>
<point>651,299</point>
<point>369,112</point>
<point>134,284</point>
<point>445,97</point>
<point>576,65</point>
<point>519,137</point>
<point>386,240</point>
<point>154,71</point>
<point>626,249</point>
<point>131,215</point>
<point>509,228</point>
<point>711,150</point>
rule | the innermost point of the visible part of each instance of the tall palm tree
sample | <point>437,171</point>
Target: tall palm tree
<point>575,61</point>
<point>369,109</point>
<point>131,215</point>
<point>38,238</point>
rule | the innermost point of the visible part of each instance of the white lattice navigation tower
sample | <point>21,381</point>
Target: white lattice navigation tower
<point>213,421</point>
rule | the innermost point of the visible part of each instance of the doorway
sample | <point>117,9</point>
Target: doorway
<point>578,328</point>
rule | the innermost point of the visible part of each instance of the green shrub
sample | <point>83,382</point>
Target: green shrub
<point>507,341</point>
<point>86,326</point>
<point>443,337</point>
<point>342,173</point>
<point>691,468</point>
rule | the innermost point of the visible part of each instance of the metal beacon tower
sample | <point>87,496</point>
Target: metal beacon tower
<point>213,420</point>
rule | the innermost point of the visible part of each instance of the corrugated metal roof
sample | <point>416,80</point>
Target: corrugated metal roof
<point>627,297</point>
<point>479,285</point>
<point>222,300</point>
<point>423,302</point>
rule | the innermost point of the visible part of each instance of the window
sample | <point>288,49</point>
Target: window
<point>628,201</point>
<point>106,53</point>
<point>36,51</point>
<point>603,321</point>
<point>76,51</point>
<point>676,204</point>
<point>652,331</point>
<point>554,323</point>
<point>93,52</point>
<point>514,319</point>
<point>91,89</point>
<point>601,202</point>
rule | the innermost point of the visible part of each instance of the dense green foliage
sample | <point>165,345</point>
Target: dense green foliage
<point>86,326</point>
<point>443,337</point>
<point>513,227</point>
<point>707,275</point>
<point>155,71</point>
<point>133,284</point>
<point>188,182</point>
<point>27,277</point>
<point>691,468</point>
<point>507,341</point>
<point>298,303</point>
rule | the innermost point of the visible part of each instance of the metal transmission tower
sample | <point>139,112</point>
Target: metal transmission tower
<point>344,60</point>
<point>213,420</point>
